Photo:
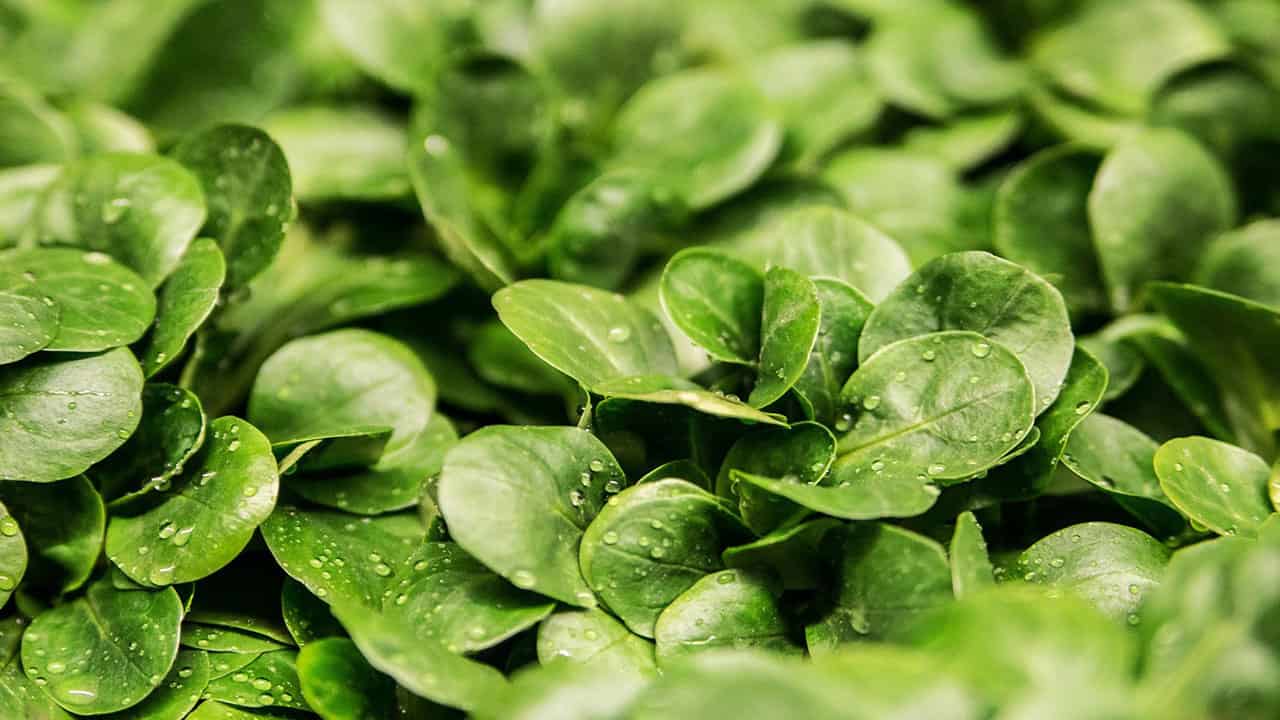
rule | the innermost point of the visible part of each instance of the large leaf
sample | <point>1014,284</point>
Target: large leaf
<point>1216,484</point>
<point>102,304</point>
<point>1157,201</point>
<point>29,318</point>
<point>208,516</point>
<point>63,524</point>
<point>979,292</point>
<point>544,485</point>
<point>106,650</point>
<point>142,210</point>
<point>338,683</point>
<point>937,407</point>
<point>59,416</point>
<point>590,335</point>
<point>248,192</point>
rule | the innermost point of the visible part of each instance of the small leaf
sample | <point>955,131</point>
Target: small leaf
<point>594,638</point>
<point>652,543</point>
<point>971,568</point>
<point>28,322</point>
<point>1218,485</point>
<point>731,608</point>
<point>717,300</point>
<point>186,300</point>
<point>339,684</point>
<point>788,330</point>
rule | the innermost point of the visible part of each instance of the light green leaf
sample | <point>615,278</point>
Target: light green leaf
<point>29,318</point>
<point>339,684</point>
<point>1157,201</point>
<point>98,396</point>
<point>341,153</point>
<point>544,486</point>
<point>971,568</point>
<point>106,650</point>
<point>594,638</point>
<point>102,303</point>
<point>1217,485</point>
<point>590,335</point>
<point>1112,567</point>
<point>142,210</point>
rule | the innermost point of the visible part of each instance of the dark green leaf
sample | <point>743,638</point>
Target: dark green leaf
<point>185,301</point>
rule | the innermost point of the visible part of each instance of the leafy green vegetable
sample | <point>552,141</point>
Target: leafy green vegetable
<point>838,359</point>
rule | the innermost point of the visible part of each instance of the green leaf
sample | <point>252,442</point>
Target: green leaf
<point>341,558</point>
<point>326,385</point>
<point>979,292</point>
<point>221,639</point>
<point>971,568</point>
<point>843,312</point>
<point>716,300</point>
<point>874,498</point>
<point>1215,484</point>
<point>106,650</point>
<point>968,140</point>
<point>823,94</point>
<point>21,190</point>
<point>248,192</point>
<point>341,153</point>
<point>1014,643</point>
<point>788,330</point>
<point>500,358</point>
<point>1110,566</point>
<point>142,210</point>
<point>1029,474</point>
<point>454,600</point>
<point>339,684</point>
<point>1117,458</point>
<point>590,335</point>
<point>13,555</point>
<point>20,697</point>
<point>563,691</point>
<point>1157,201</point>
<point>1041,222</point>
<point>29,318</point>
<point>598,235</point>
<point>306,616</point>
<point>593,638</point>
<point>63,523</point>
<point>653,542</point>
<point>543,485</point>
<point>209,515</point>
<point>171,431</point>
<point>1232,335</point>
<point>732,608</point>
<point>801,453</point>
<point>937,407</point>
<point>399,44</point>
<point>828,242</point>
<point>1245,262</point>
<point>449,203</point>
<point>34,131</point>
<point>101,304</point>
<point>271,680</point>
<point>1116,54</point>
<point>939,60</point>
<point>98,396</point>
<point>724,136</point>
<point>423,667</point>
<point>177,694</point>
<point>886,578</point>
<point>185,301</point>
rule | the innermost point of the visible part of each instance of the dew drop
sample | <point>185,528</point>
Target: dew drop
<point>619,333</point>
<point>980,349</point>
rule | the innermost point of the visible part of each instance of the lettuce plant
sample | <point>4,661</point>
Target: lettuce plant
<point>639,359</point>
